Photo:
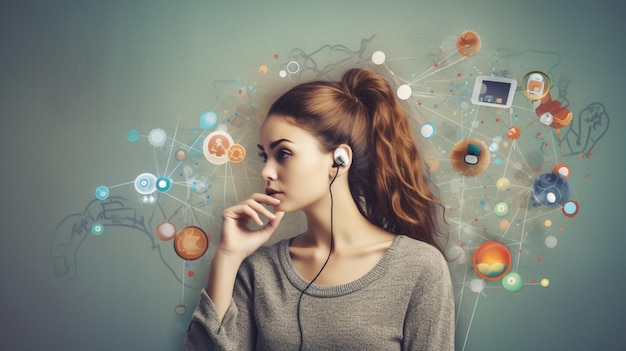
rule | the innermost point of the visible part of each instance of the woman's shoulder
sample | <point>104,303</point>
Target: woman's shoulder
<point>418,255</point>
<point>408,245</point>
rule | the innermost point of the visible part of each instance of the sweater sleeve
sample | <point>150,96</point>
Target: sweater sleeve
<point>429,322</point>
<point>237,331</point>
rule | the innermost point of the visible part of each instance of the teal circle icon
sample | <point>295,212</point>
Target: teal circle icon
<point>97,229</point>
<point>102,192</point>
<point>163,184</point>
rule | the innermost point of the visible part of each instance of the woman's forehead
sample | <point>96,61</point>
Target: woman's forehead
<point>278,127</point>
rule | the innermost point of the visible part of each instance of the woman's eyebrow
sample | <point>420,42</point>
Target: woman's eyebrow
<point>274,143</point>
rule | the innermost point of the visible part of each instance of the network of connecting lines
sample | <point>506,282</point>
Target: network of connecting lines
<point>490,132</point>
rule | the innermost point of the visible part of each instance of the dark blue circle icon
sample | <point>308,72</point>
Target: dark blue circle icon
<point>550,189</point>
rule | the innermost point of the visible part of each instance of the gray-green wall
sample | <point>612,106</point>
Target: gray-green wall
<point>75,76</point>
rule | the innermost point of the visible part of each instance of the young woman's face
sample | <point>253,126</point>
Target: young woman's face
<point>296,168</point>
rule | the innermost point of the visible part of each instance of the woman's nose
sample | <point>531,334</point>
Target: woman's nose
<point>269,171</point>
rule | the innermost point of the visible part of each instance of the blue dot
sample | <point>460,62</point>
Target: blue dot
<point>132,135</point>
<point>498,161</point>
<point>570,208</point>
<point>207,119</point>
<point>97,229</point>
<point>102,192</point>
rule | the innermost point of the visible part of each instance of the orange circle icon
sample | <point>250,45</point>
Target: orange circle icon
<point>513,133</point>
<point>468,43</point>
<point>470,147</point>
<point>191,243</point>
<point>492,260</point>
<point>236,153</point>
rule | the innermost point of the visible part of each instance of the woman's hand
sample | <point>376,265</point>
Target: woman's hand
<point>238,238</point>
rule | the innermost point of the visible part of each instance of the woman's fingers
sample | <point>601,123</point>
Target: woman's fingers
<point>252,209</point>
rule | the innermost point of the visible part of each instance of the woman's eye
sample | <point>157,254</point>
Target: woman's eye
<point>283,154</point>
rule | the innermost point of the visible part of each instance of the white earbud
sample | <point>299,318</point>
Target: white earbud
<point>341,157</point>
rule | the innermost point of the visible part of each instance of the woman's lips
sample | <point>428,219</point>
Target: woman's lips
<point>272,192</point>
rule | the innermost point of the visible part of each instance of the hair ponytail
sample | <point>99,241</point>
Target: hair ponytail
<point>400,198</point>
<point>387,178</point>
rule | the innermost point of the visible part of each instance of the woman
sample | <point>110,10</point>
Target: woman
<point>368,273</point>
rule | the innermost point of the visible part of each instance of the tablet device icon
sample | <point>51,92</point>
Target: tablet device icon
<point>494,91</point>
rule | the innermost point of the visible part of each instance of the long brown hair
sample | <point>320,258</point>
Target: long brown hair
<point>387,176</point>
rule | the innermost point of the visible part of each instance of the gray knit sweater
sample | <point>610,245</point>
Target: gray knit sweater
<point>404,303</point>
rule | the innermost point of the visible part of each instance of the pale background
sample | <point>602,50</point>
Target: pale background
<point>75,76</point>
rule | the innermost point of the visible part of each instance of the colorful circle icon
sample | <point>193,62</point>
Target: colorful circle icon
<point>512,282</point>
<point>535,85</point>
<point>550,189</point>
<point>570,208</point>
<point>492,260</point>
<point>97,229</point>
<point>163,184</point>
<point>501,209</point>
<point>180,310</point>
<point>133,135</point>
<point>145,183</point>
<point>102,192</point>
<point>165,231</point>
<point>181,154</point>
<point>216,146</point>
<point>157,137</point>
<point>563,170</point>
<point>503,184</point>
<point>428,130</point>
<point>207,119</point>
<point>236,153</point>
<point>513,133</point>
<point>468,43</point>
<point>191,243</point>
<point>470,157</point>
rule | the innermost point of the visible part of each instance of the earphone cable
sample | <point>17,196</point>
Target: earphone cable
<point>332,241</point>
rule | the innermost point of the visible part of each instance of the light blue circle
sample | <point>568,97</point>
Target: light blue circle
<point>132,135</point>
<point>570,208</point>
<point>97,229</point>
<point>145,183</point>
<point>207,119</point>
<point>163,184</point>
<point>102,192</point>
